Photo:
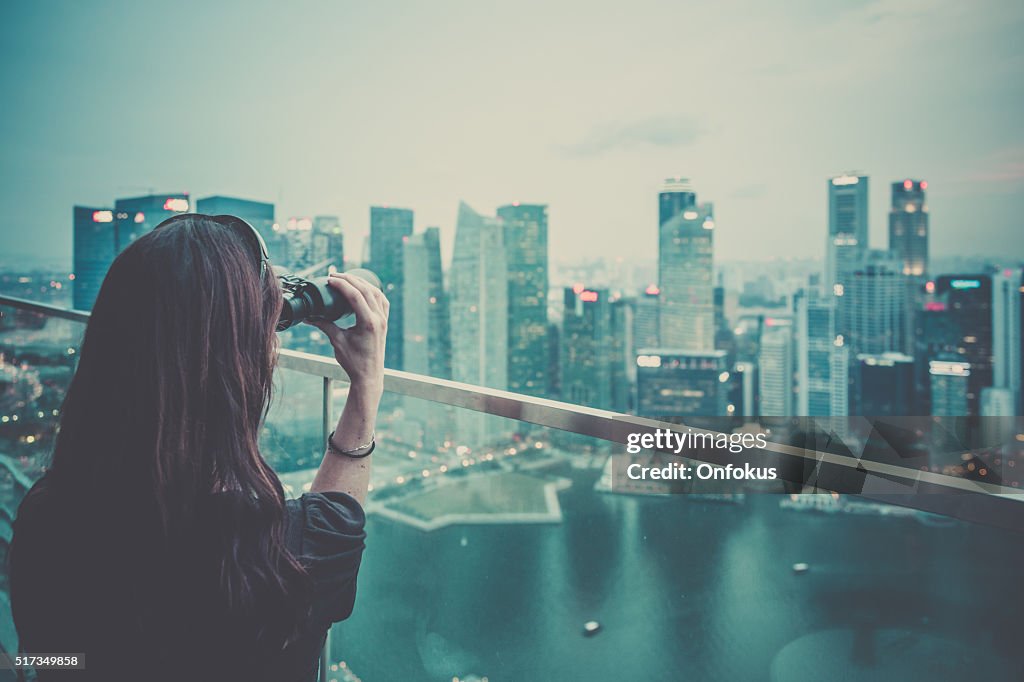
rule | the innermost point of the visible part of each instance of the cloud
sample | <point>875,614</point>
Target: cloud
<point>1006,165</point>
<point>1001,171</point>
<point>663,131</point>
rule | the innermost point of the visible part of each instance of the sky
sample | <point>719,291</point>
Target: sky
<point>330,107</point>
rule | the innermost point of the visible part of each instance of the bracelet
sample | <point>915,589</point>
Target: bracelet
<point>355,453</point>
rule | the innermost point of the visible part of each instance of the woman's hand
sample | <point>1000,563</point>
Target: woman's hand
<point>360,349</point>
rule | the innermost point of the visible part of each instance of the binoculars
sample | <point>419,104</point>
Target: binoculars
<point>315,299</point>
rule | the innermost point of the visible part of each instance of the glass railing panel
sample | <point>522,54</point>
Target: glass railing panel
<point>492,543</point>
<point>492,561</point>
<point>291,439</point>
<point>37,359</point>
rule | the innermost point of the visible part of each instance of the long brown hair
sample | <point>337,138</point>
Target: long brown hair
<point>173,383</point>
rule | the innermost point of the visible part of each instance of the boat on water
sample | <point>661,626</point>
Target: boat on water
<point>591,628</point>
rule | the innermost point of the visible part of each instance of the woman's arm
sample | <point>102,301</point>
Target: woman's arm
<point>360,352</point>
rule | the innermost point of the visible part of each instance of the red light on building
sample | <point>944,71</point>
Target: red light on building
<point>140,217</point>
<point>769,321</point>
<point>578,288</point>
<point>588,296</point>
<point>175,204</point>
<point>102,216</point>
<point>935,306</point>
<point>908,184</point>
<point>924,185</point>
<point>652,290</point>
<point>929,287</point>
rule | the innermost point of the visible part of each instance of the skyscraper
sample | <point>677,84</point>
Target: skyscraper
<point>622,358</point>
<point>847,238</point>
<point>328,241</point>
<point>645,318</point>
<point>822,358</point>
<point>949,387</point>
<point>587,351</point>
<point>389,228</point>
<point>959,336</point>
<point>908,241</point>
<point>101,234</point>
<point>677,383</point>
<point>908,226</point>
<point>526,245</point>
<point>1006,340</point>
<point>259,214</point>
<point>685,269</point>
<point>95,247</point>
<point>426,324</point>
<point>883,385</point>
<point>479,316</point>
<point>775,373</point>
<point>297,241</point>
<point>874,297</point>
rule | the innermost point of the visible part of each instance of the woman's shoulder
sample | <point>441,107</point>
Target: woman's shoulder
<point>325,523</point>
<point>325,532</point>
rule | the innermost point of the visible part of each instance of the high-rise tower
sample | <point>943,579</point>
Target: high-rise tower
<point>389,228</point>
<point>526,246</point>
<point>685,269</point>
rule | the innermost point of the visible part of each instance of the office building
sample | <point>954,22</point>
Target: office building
<point>847,238</point>
<point>426,324</point>
<point>100,234</point>
<point>678,383</point>
<point>875,300</point>
<point>526,244</point>
<point>883,386</point>
<point>685,269</point>
<point>389,229</point>
<point>908,242</point>
<point>95,247</point>
<point>956,325</point>
<point>775,371</point>
<point>622,357</point>
<point>479,317</point>
<point>950,389</point>
<point>329,242</point>
<point>596,362</point>
<point>259,214</point>
<point>297,241</point>
<point>908,226</point>
<point>1006,339</point>
<point>645,318</point>
<point>743,398</point>
<point>822,358</point>
<point>587,356</point>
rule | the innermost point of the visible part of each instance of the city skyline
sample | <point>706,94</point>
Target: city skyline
<point>344,124</point>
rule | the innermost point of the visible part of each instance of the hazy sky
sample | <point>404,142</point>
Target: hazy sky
<point>328,107</point>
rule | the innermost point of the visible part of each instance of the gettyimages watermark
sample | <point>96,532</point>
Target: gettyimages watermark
<point>794,455</point>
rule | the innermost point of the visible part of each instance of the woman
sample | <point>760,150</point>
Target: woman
<point>159,543</point>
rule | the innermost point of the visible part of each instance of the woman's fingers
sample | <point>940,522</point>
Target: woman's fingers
<point>374,297</point>
<point>355,297</point>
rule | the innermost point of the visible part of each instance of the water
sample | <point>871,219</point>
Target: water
<point>686,590</point>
